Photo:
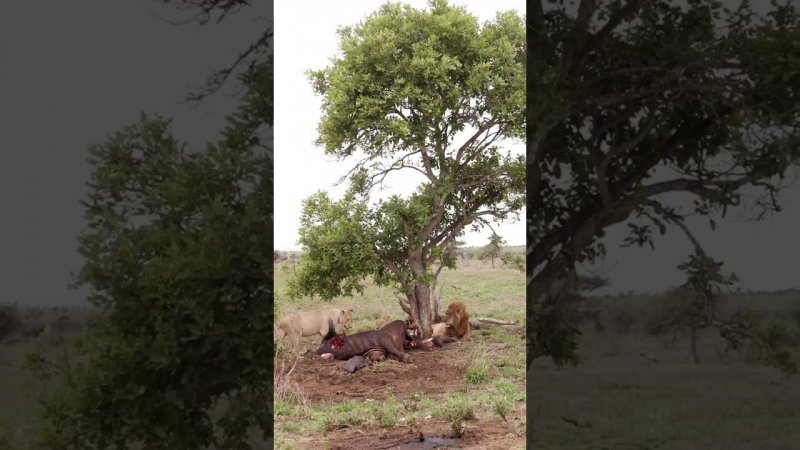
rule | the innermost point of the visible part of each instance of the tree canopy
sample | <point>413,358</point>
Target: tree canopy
<point>632,100</point>
<point>177,246</point>
<point>427,91</point>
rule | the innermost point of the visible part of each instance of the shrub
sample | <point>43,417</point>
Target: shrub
<point>9,319</point>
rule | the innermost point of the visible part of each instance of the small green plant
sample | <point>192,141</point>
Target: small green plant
<point>508,390</point>
<point>386,413</point>
<point>458,410</point>
<point>477,373</point>
<point>501,406</point>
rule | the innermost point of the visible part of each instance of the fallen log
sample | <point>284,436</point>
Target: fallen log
<point>483,322</point>
<point>495,321</point>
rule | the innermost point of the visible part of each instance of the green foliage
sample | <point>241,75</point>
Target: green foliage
<point>428,63</point>
<point>458,410</point>
<point>493,250</point>
<point>772,342</point>
<point>501,406</point>
<point>514,260</point>
<point>344,414</point>
<point>775,344</point>
<point>177,249</point>
<point>386,412</point>
<point>696,305</point>
<point>704,279</point>
<point>9,319</point>
<point>552,330</point>
<point>406,86</point>
<point>338,243</point>
<point>629,91</point>
<point>477,373</point>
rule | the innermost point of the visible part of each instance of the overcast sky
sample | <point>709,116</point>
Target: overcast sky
<point>72,73</point>
<point>305,38</point>
<point>763,254</point>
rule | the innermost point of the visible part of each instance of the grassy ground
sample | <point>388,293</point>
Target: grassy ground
<point>19,405</point>
<point>634,391</point>
<point>476,388</point>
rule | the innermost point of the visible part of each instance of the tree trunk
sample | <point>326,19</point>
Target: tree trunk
<point>492,262</point>
<point>436,297</point>
<point>424,311</point>
<point>420,298</point>
<point>694,346</point>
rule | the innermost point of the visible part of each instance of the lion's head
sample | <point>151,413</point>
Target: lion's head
<point>346,318</point>
<point>455,313</point>
<point>457,319</point>
<point>381,322</point>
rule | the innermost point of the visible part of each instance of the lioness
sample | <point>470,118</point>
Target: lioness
<point>381,322</point>
<point>301,324</point>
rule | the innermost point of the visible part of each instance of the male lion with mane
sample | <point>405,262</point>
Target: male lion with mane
<point>455,325</point>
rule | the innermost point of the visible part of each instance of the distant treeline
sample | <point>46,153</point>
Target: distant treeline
<point>632,295</point>
<point>462,252</point>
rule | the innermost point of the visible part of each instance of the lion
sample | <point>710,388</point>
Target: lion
<point>439,330</point>
<point>381,322</point>
<point>308,323</point>
<point>456,320</point>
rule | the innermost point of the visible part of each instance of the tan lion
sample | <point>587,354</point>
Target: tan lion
<point>457,320</point>
<point>455,325</point>
<point>308,323</point>
<point>381,322</point>
<point>439,329</point>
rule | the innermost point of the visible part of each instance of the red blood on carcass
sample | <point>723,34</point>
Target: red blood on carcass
<point>337,342</point>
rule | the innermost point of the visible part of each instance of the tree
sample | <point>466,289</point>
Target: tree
<point>177,247</point>
<point>515,260</point>
<point>494,249</point>
<point>632,100</point>
<point>425,91</point>
<point>696,304</point>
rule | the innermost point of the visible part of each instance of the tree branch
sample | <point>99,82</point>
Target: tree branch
<point>426,161</point>
<point>218,79</point>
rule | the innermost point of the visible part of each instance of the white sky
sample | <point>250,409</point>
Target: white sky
<point>305,38</point>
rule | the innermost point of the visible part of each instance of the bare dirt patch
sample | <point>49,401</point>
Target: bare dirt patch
<point>435,371</point>
<point>433,375</point>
